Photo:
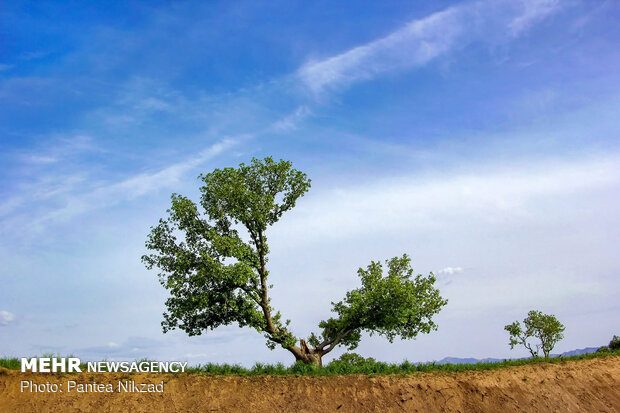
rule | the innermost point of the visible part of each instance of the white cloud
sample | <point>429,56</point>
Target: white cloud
<point>422,40</point>
<point>450,270</point>
<point>490,196</point>
<point>198,355</point>
<point>6,318</point>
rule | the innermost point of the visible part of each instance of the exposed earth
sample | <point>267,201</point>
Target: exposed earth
<point>571,386</point>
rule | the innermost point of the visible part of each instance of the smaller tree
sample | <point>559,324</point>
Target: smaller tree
<point>546,328</point>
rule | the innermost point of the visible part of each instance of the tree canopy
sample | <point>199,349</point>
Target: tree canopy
<point>214,264</point>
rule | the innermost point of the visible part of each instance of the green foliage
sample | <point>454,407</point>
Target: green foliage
<point>254,195</point>
<point>352,359</point>
<point>546,328</point>
<point>393,305</point>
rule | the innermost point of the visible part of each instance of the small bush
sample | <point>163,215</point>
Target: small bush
<point>303,368</point>
<point>614,344</point>
<point>353,359</point>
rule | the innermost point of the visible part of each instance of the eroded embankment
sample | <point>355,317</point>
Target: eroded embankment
<point>573,386</point>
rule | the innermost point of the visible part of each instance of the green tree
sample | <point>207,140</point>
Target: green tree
<point>545,328</point>
<point>217,272</point>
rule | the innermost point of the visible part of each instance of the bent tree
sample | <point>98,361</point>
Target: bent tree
<point>214,264</point>
<point>546,328</point>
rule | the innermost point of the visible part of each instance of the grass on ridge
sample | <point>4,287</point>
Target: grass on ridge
<point>367,367</point>
<point>373,367</point>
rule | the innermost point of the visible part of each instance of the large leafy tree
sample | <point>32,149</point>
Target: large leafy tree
<point>214,263</point>
<point>544,329</point>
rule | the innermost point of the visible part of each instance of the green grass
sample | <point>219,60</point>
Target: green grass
<point>15,363</point>
<point>367,367</point>
<point>12,363</point>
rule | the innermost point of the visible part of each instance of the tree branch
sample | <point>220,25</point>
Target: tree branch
<point>334,342</point>
<point>260,247</point>
<point>250,294</point>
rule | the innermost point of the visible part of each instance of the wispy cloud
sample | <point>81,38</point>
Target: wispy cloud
<point>414,45</point>
<point>533,12</point>
<point>57,198</point>
<point>43,159</point>
<point>61,148</point>
<point>57,168</point>
<point>291,122</point>
<point>44,166</point>
<point>422,40</point>
<point>137,185</point>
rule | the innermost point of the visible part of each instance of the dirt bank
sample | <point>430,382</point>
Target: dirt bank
<point>575,386</point>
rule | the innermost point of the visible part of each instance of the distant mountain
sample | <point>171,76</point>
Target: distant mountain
<point>577,352</point>
<point>471,360</point>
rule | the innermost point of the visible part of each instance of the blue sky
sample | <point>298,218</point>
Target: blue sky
<point>479,137</point>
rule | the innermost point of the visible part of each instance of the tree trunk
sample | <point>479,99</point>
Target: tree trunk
<point>311,359</point>
<point>306,355</point>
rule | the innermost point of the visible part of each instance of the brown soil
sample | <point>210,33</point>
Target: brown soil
<point>574,386</point>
